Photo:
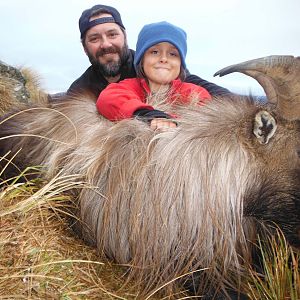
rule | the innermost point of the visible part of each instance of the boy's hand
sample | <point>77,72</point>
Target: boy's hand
<point>162,124</point>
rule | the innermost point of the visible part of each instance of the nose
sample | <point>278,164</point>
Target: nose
<point>163,57</point>
<point>105,43</point>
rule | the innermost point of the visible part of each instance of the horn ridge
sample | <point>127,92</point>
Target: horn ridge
<point>279,75</point>
<point>258,64</point>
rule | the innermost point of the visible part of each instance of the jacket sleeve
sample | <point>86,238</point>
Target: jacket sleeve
<point>89,83</point>
<point>189,92</point>
<point>120,100</point>
<point>212,88</point>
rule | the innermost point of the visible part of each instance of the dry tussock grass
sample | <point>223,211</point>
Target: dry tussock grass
<point>33,86</point>
<point>281,269</point>
<point>9,87</point>
<point>41,258</point>
<point>6,93</point>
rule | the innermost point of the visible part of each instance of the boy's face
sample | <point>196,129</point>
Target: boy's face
<point>161,64</point>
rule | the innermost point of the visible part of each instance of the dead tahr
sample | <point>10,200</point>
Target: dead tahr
<point>170,203</point>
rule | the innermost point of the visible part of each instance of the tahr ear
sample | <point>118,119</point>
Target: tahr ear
<point>264,126</point>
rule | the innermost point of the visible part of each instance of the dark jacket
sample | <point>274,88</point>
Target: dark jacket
<point>92,80</point>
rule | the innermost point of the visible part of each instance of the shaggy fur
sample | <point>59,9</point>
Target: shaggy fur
<point>169,203</point>
<point>184,204</point>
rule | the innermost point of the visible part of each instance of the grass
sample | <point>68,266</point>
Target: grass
<point>280,264</point>
<point>40,257</point>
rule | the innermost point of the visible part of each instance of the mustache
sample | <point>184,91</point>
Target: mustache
<point>109,50</point>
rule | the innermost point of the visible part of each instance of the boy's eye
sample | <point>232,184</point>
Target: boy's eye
<point>154,51</point>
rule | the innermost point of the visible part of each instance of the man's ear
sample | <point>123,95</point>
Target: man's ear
<point>82,40</point>
<point>84,47</point>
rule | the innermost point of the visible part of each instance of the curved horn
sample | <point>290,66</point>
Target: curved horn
<point>280,78</point>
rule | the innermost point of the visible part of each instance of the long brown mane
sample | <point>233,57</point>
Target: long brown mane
<point>171,203</point>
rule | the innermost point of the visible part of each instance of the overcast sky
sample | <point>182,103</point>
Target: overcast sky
<point>44,35</point>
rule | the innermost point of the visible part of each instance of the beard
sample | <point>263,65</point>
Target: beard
<point>111,68</point>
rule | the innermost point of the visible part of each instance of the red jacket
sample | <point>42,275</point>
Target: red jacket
<point>120,100</point>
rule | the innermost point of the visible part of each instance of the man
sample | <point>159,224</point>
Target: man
<point>104,41</point>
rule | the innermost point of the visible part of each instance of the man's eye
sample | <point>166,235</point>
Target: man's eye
<point>154,52</point>
<point>173,53</point>
<point>112,35</point>
<point>93,40</point>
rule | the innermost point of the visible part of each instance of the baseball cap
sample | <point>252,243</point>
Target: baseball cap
<point>85,23</point>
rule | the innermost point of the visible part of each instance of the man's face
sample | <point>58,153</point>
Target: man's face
<point>105,45</point>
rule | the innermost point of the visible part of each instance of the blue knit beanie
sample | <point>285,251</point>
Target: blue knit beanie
<point>155,33</point>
